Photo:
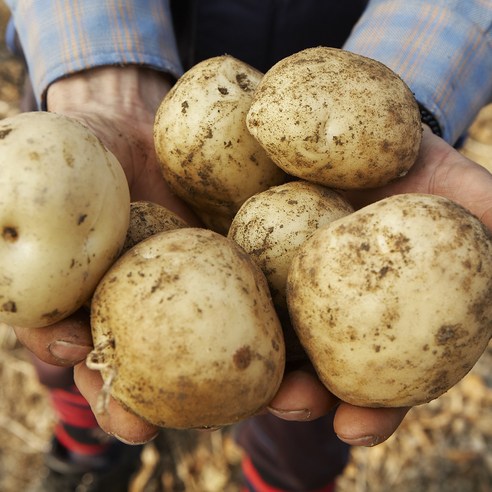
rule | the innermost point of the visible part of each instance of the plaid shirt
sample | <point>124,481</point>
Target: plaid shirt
<point>441,48</point>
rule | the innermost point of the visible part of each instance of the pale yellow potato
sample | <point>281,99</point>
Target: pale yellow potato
<point>336,118</point>
<point>185,332</point>
<point>271,225</point>
<point>147,219</point>
<point>392,303</point>
<point>64,213</point>
<point>205,150</point>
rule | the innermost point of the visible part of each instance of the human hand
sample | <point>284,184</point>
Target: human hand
<point>119,104</point>
<point>439,170</point>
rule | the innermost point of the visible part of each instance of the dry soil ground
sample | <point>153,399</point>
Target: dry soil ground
<point>445,446</point>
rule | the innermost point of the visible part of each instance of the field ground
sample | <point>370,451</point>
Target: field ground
<point>445,446</point>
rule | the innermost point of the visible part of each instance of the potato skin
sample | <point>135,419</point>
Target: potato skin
<point>147,219</point>
<point>64,212</point>
<point>336,118</point>
<point>206,153</point>
<point>186,326</point>
<point>392,303</point>
<point>271,225</point>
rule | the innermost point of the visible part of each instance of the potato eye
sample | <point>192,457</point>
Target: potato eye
<point>10,233</point>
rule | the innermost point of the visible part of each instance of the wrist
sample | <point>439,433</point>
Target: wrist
<point>130,89</point>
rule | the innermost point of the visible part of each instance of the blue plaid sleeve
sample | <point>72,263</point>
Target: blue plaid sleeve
<point>61,37</point>
<point>442,49</point>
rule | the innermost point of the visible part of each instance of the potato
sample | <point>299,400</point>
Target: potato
<point>147,219</point>
<point>392,303</point>
<point>207,155</point>
<point>271,225</point>
<point>64,211</point>
<point>336,118</point>
<point>185,332</point>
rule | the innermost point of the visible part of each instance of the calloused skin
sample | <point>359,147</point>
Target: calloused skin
<point>119,105</point>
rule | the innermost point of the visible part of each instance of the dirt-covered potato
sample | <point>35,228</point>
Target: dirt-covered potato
<point>205,150</point>
<point>271,225</point>
<point>336,118</point>
<point>392,303</point>
<point>185,331</point>
<point>147,219</point>
<point>64,212</point>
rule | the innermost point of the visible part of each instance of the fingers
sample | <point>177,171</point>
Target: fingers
<point>63,344</point>
<point>68,343</point>
<point>114,420</point>
<point>359,426</point>
<point>301,397</point>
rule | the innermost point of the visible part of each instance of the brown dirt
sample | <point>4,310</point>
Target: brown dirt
<point>445,446</point>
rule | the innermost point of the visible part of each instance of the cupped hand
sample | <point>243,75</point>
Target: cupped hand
<point>67,343</point>
<point>119,104</point>
<point>439,170</point>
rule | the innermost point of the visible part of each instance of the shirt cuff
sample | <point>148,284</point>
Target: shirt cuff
<point>60,38</point>
<point>441,49</point>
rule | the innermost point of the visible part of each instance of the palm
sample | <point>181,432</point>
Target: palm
<point>132,143</point>
<point>441,170</point>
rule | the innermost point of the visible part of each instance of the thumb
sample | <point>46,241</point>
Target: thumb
<point>62,344</point>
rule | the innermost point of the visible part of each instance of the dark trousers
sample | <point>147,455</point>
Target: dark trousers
<point>293,456</point>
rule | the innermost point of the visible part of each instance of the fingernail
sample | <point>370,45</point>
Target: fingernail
<point>293,415</point>
<point>134,443</point>
<point>367,441</point>
<point>68,351</point>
